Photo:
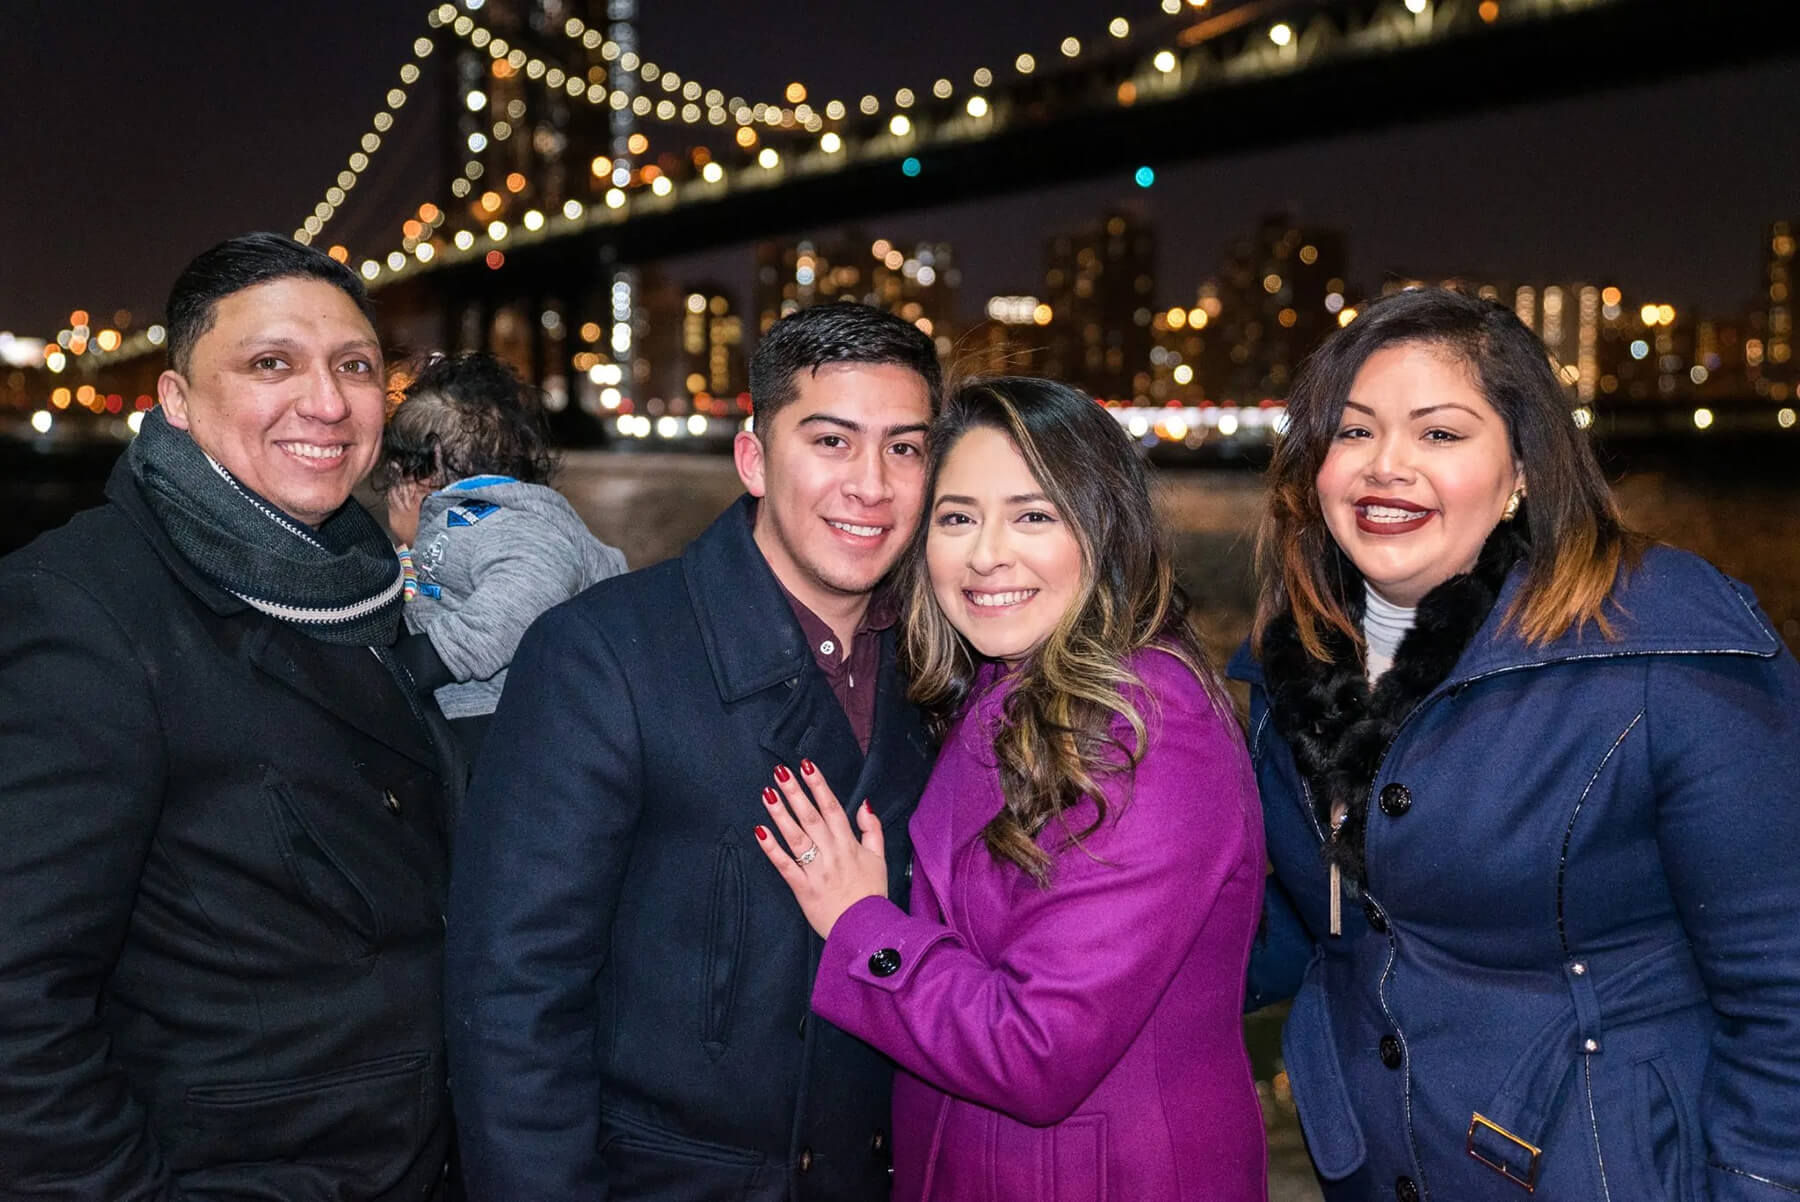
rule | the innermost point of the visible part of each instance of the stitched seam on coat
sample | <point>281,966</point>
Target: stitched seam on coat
<point>1587,1072</point>
<point>1562,867</point>
<point>1412,1140</point>
<point>1562,859</point>
<point>1770,1181</point>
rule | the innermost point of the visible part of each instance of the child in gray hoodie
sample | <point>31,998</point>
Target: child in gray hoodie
<point>465,469</point>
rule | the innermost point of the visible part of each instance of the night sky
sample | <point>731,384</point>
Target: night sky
<point>139,133</point>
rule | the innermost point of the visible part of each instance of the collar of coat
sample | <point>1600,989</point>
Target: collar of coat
<point>1339,729</point>
<point>122,490</point>
<point>752,639</point>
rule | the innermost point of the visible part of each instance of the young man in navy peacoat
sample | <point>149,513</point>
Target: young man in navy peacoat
<point>628,988</point>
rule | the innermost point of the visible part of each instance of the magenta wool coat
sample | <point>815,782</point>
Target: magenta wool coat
<point>1080,1043</point>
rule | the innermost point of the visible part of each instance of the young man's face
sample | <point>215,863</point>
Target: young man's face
<point>285,390</point>
<point>841,474</point>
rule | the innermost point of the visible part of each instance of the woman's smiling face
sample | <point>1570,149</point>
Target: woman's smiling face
<point>1419,472</point>
<point>1005,565</point>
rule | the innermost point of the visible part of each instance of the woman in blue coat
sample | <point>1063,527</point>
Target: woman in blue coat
<point>1532,794</point>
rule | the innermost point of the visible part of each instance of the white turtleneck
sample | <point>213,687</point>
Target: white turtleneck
<point>1384,625</point>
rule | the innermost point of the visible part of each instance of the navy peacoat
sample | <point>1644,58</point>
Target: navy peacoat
<point>224,848</point>
<point>1576,965</point>
<point>628,980</point>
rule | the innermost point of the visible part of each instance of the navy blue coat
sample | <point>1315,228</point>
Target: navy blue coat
<point>628,977</point>
<point>1585,926</point>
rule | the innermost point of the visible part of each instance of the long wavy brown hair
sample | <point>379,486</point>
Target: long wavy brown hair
<point>1056,743</point>
<point>1578,541</point>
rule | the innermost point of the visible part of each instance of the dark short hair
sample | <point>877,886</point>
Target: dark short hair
<point>837,333</point>
<point>465,415</point>
<point>1578,540</point>
<point>240,263</point>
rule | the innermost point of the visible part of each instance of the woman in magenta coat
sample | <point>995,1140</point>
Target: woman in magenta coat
<point>1064,998</point>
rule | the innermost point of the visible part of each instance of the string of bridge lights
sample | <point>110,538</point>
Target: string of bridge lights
<point>719,110</point>
<point>368,144</point>
<point>698,106</point>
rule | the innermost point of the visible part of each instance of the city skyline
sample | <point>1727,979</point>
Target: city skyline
<point>1098,315</point>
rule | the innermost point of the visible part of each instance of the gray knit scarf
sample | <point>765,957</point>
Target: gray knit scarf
<point>339,583</point>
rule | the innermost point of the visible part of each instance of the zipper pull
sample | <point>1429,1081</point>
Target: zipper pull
<point>1336,880</point>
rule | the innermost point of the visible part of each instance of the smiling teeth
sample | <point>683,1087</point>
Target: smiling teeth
<point>999,599</point>
<point>307,451</point>
<point>1382,513</point>
<point>859,531</point>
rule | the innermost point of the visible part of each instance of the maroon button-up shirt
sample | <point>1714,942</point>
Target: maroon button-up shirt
<point>852,675</point>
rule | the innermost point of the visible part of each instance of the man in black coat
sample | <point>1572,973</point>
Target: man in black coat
<point>628,980</point>
<point>223,819</point>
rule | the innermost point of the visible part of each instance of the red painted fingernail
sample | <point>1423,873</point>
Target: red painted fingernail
<point>770,797</point>
<point>762,833</point>
<point>806,766</point>
<point>781,773</point>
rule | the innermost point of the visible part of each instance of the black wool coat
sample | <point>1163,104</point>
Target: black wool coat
<point>223,858</point>
<point>629,977</point>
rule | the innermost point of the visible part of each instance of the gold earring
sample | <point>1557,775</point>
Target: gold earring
<point>1512,505</point>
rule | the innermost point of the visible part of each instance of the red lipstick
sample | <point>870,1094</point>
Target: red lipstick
<point>1388,525</point>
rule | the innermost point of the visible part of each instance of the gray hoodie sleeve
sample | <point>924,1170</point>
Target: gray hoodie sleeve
<point>519,566</point>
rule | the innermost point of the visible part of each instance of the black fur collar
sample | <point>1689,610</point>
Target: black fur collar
<point>1337,727</point>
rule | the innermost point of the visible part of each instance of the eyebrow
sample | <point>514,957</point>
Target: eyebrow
<point>1024,498</point>
<point>845,423</point>
<point>1417,413</point>
<point>293,344</point>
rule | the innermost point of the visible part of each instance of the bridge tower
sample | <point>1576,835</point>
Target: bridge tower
<point>625,327</point>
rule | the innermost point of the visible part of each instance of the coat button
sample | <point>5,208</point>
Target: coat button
<point>1396,799</point>
<point>878,1144</point>
<point>1377,921</point>
<point>1406,1190</point>
<point>885,963</point>
<point>806,1160</point>
<point>1390,1051</point>
<point>392,802</point>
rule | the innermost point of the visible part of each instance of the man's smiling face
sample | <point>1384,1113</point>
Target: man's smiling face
<point>285,390</point>
<point>841,475</point>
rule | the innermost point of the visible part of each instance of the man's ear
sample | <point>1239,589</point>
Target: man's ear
<point>747,453</point>
<point>171,392</point>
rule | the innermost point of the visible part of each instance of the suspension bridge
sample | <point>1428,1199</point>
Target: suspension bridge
<point>572,157</point>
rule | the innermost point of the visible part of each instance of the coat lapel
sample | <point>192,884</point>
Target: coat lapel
<point>976,794</point>
<point>756,649</point>
<point>811,725</point>
<point>305,665</point>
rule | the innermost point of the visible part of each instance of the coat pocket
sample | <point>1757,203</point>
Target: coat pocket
<point>725,918</point>
<point>1668,1131</point>
<point>336,895</point>
<point>645,1161</point>
<point>1327,1119</point>
<point>364,1123</point>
